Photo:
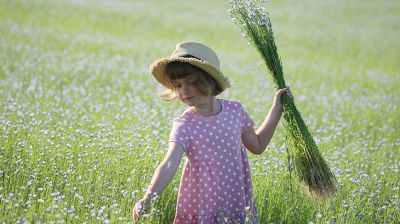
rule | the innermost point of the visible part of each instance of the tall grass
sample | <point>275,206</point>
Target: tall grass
<point>82,129</point>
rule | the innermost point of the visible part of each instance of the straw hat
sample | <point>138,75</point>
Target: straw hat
<point>196,54</point>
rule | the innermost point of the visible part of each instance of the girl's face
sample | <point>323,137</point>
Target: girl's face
<point>188,93</point>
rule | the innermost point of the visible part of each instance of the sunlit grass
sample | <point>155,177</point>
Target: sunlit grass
<point>82,128</point>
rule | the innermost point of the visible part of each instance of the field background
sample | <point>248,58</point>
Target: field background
<point>82,128</point>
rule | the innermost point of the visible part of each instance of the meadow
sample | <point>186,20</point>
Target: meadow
<point>82,128</point>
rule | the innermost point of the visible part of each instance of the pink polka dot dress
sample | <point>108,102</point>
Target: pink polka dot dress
<point>216,184</point>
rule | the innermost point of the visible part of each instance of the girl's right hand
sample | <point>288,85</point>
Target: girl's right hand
<point>139,209</point>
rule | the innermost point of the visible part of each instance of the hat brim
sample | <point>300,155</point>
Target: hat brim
<point>159,70</point>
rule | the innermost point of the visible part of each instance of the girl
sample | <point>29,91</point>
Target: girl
<point>212,133</point>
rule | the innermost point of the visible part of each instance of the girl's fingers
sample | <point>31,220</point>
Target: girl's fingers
<point>135,214</point>
<point>138,210</point>
<point>289,92</point>
<point>283,90</point>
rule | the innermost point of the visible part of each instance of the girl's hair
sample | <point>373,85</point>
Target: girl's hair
<point>179,70</point>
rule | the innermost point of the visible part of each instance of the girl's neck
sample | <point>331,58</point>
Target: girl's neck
<point>208,108</point>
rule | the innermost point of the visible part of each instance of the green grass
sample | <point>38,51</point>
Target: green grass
<point>82,128</point>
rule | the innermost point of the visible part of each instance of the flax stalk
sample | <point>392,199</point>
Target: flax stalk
<point>309,165</point>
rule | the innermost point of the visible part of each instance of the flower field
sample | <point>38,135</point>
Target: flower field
<point>82,128</point>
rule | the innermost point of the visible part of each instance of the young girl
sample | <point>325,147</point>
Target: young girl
<point>212,133</point>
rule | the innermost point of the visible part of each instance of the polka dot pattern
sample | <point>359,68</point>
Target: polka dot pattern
<point>216,176</point>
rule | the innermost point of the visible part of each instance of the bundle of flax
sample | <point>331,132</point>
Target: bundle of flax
<point>309,165</point>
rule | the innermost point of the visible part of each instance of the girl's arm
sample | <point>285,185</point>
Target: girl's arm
<point>257,141</point>
<point>161,178</point>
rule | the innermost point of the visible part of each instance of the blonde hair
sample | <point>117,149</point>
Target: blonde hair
<point>179,70</point>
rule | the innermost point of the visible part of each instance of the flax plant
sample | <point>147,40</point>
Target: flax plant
<point>308,162</point>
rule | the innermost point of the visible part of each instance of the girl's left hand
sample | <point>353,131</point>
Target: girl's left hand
<point>277,99</point>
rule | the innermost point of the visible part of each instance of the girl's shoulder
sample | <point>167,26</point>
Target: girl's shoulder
<point>184,117</point>
<point>231,104</point>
